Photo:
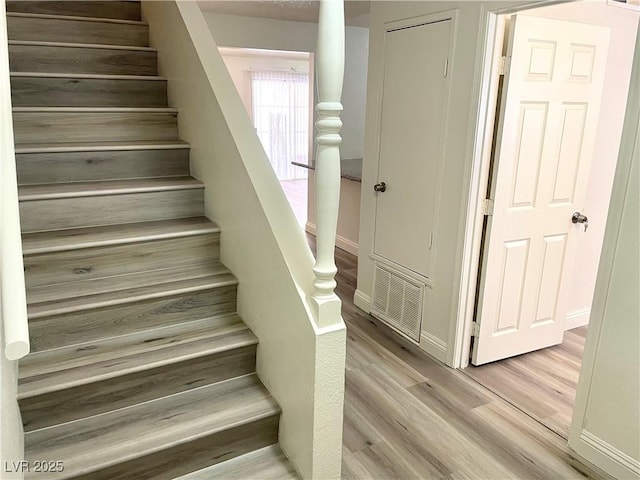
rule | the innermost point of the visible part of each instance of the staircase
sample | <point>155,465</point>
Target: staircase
<point>140,367</point>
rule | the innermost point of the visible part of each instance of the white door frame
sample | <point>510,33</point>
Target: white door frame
<point>486,86</point>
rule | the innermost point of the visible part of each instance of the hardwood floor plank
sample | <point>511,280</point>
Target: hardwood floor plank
<point>408,416</point>
<point>542,383</point>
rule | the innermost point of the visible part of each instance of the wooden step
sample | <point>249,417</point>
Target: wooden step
<point>124,10</point>
<point>61,147</point>
<point>67,90</point>
<point>61,298</point>
<point>48,207</point>
<point>57,57</point>
<point>73,29</point>
<point>93,124</point>
<point>72,239</point>
<point>72,255</point>
<point>50,166</point>
<point>94,377</point>
<point>170,296</point>
<point>268,463</point>
<point>162,438</point>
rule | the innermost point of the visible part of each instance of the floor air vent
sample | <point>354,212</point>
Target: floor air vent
<point>397,301</point>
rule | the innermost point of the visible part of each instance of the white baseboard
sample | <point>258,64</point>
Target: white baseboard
<point>576,319</point>
<point>341,242</point>
<point>362,301</point>
<point>606,457</point>
<point>433,346</point>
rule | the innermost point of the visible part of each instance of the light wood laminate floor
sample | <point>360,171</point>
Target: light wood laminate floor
<point>296,192</point>
<point>542,383</point>
<point>409,417</point>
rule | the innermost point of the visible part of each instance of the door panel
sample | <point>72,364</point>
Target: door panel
<point>546,127</point>
<point>411,130</point>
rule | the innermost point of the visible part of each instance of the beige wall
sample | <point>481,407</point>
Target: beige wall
<point>348,214</point>
<point>623,25</point>
<point>606,421</point>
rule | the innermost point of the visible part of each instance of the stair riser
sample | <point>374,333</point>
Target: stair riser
<point>99,9</point>
<point>88,263</point>
<point>36,168</point>
<point>95,324</point>
<point>60,59</point>
<point>120,392</point>
<point>52,127</point>
<point>55,214</point>
<point>77,31</point>
<point>194,455</point>
<point>87,92</point>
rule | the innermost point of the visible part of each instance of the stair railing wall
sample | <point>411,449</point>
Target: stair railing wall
<point>301,354</point>
<point>12,288</point>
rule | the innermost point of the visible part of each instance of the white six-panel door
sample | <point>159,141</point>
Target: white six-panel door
<point>548,120</point>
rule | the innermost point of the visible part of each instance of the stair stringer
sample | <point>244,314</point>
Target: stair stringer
<point>301,364</point>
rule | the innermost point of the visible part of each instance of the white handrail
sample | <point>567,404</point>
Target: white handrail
<point>12,288</point>
<point>329,74</point>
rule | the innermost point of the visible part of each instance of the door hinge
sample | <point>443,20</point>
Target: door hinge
<point>475,329</point>
<point>503,66</point>
<point>446,67</point>
<point>487,207</point>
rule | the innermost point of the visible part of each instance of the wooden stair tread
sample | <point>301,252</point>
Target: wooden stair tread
<point>75,18</point>
<point>95,110</point>
<point>105,187</point>
<point>99,146</point>
<point>74,238</point>
<point>268,463</point>
<point>115,437</point>
<point>31,43</point>
<point>62,298</point>
<point>93,76</point>
<point>67,367</point>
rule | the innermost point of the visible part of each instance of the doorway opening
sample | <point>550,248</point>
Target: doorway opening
<point>276,90</point>
<point>557,99</point>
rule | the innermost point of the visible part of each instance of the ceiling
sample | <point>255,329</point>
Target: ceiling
<point>292,10</point>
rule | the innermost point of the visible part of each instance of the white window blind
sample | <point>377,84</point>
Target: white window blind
<point>281,118</point>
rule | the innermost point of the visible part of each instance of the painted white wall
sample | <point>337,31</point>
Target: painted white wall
<point>11,431</point>
<point>623,24</point>
<point>606,422</point>
<point>301,365</point>
<point>447,272</point>
<point>348,213</point>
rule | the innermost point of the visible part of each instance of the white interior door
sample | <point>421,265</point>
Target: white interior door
<point>411,130</point>
<point>548,120</point>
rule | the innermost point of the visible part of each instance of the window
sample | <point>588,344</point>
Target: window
<point>280,104</point>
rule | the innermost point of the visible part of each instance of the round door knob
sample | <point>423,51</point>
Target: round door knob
<point>380,187</point>
<point>577,217</point>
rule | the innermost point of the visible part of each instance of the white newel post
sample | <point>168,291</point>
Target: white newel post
<point>329,74</point>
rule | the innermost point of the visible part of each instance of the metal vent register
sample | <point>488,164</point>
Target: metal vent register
<point>397,301</point>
